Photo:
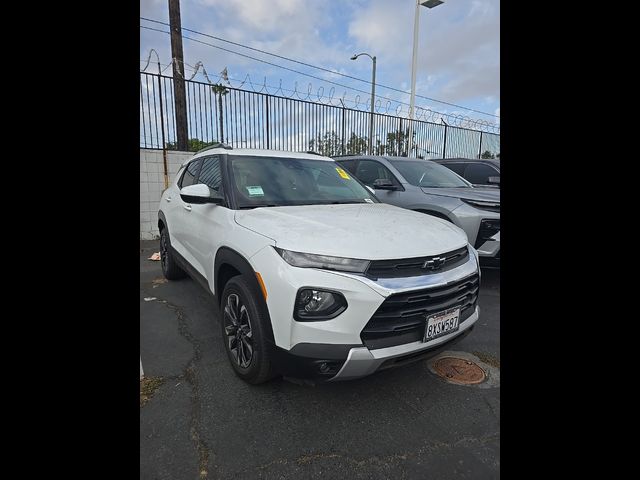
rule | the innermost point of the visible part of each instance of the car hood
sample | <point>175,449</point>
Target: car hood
<point>366,231</point>
<point>488,194</point>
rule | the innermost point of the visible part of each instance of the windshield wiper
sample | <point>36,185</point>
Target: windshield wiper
<point>245,207</point>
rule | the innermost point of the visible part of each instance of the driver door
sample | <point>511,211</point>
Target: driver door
<point>179,215</point>
<point>368,171</point>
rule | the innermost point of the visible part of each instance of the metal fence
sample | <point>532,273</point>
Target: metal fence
<point>250,119</point>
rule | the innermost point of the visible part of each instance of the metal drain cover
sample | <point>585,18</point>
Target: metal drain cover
<point>459,370</point>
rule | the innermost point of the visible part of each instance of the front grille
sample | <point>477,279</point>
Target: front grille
<point>401,317</point>
<point>484,205</point>
<point>412,267</point>
<point>488,228</point>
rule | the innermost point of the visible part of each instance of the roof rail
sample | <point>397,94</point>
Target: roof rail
<point>215,145</point>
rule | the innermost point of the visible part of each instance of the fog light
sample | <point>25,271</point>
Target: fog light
<point>314,305</point>
<point>328,367</point>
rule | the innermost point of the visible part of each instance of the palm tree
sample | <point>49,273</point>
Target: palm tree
<point>220,90</point>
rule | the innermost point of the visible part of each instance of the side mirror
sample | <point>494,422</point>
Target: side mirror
<point>494,180</point>
<point>200,193</point>
<point>384,184</point>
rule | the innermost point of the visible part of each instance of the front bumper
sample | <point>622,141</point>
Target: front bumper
<point>329,363</point>
<point>471,220</point>
<point>491,247</point>
<point>334,349</point>
<point>362,362</point>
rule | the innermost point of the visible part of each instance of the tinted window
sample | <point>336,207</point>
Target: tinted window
<point>274,181</point>
<point>456,167</point>
<point>479,173</point>
<point>428,174</point>
<point>210,173</point>
<point>190,173</point>
<point>369,171</point>
<point>349,165</point>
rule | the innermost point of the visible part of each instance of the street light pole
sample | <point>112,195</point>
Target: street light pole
<point>373,97</point>
<point>414,62</point>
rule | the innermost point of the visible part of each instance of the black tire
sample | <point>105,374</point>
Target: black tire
<point>251,359</point>
<point>170,268</point>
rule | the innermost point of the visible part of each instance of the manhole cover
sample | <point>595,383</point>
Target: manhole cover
<point>459,370</point>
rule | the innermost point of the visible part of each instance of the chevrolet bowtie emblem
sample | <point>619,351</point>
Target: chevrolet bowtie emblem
<point>434,263</point>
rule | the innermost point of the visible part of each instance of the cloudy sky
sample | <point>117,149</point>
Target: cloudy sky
<point>458,55</point>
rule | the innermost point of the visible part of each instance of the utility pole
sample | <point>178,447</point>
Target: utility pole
<point>180,96</point>
<point>373,98</point>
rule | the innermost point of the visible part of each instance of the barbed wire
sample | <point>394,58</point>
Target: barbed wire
<point>391,107</point>
<point>466,120</point>
<point>331,71</point>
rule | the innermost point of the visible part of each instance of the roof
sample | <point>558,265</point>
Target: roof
<point>376,157</point>
<point>465,160</point>
<point>256,152</point>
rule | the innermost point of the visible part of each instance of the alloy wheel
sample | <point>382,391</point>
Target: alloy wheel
<point>237,327</point>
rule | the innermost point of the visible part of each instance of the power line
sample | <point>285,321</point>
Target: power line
<point>275,65</point>
<point>318,68</point>
<point>299,72</point>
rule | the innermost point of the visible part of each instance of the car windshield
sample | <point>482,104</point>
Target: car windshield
<point>429,174</point>
<point>275,181</point>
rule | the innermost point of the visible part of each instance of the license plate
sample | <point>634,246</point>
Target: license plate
<point>441,323</point>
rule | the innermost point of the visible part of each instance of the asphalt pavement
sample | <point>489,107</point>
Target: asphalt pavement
<point>203,422</point>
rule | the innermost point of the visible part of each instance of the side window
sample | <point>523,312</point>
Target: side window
<point>456,167</point>
<point>370,170</point>
<point>211,174</point>
<point>350,165</point>
<point>479,173</point>
<point>190,174</point>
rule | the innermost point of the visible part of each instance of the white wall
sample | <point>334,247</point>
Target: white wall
<point>152,185</point>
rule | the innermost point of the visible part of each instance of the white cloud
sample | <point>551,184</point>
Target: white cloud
<point>458,50</point>
<point>458,45</point>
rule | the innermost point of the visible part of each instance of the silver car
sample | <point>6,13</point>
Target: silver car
<point>430,188</point>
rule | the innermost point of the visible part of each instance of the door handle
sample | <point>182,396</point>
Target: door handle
<point>168,199</point>
<point>187,207</point>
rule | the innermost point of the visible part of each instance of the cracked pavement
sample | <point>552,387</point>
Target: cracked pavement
<point>206,423</point>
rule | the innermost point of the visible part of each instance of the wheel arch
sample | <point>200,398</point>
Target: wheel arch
<point>434,213</point>
<point>228,264</point>
<point>162,221</point>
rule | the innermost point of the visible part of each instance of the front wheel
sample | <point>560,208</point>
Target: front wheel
<point>243,331</point>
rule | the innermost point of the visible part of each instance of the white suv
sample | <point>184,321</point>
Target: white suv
<point>314,276</point>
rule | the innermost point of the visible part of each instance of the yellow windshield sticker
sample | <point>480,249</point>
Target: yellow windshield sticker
<point>342,173</point>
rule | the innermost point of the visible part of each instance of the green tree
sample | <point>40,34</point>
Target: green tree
<point>193,145</point>
<point>398,143</point>
<point>328,144</point>
<point>220,90</point>
<point>331,144</point>
<point>487,154</point>
<point>357,145</point>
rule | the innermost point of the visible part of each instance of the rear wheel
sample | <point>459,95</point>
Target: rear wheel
<point>170,268</point>
<point>243,331</point>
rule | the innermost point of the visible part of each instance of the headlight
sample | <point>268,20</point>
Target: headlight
<point>307,260</point>
<point>483,205</point>
<point>313,305</point>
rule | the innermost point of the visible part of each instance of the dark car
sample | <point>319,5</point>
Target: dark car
<point>478,171</point>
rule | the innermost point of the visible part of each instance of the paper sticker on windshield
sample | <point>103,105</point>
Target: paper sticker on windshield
<point>368,200</point>
<point>342,173</point>
<point>255,191</point>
